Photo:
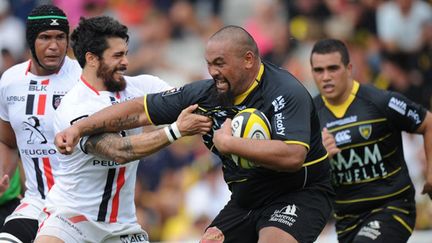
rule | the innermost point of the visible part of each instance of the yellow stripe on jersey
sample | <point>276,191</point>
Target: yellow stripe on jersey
<point>240,98</point>
<point>390,154</point>
<point>366,143</point>
<point>358,123</point>
<point>297,142</point>
<point>398,209</point>
<point>240,180</point>
<point>403,223</point>
<point>347,229</point>
<point>340,110</point>
<point>373,198</point>
<point>146,110</point>
<point>315,161</point>
<point>373,179</point>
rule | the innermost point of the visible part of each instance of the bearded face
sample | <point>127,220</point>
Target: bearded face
<point>112,76</point>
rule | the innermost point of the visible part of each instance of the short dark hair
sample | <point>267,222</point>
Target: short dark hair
<point>91,36</point>
<point>331,45</point>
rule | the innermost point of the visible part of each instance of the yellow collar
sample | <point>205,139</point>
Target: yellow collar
<point>340,110</point>
<point>240,98</point>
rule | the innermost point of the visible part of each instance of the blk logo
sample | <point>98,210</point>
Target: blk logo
<point>32,125</point>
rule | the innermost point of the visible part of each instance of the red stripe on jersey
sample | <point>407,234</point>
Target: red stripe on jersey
<point>89,85</point>
<point>115,202</point>
<point>45,82</point>
<point>77,219</point>
<point>41,104</point>
<point>48,172</point>
<point>23,205</point>
<point>28,68</point>
<point>118,95</point>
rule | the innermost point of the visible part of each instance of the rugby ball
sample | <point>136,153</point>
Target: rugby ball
<point>253,124</point>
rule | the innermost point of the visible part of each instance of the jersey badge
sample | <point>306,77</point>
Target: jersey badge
<point>365,131</point>
<point>172,91</point>
<point>56,101</point>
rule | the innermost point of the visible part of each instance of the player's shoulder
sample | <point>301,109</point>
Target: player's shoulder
<point>71,67</point>
<point>370,93</point>
<point>318,102</point>
<point>146,83</point>
<point>14,73</point>
<point>278,80</point>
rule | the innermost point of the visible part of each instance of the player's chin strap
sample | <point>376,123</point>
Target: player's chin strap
<point>8,238</point>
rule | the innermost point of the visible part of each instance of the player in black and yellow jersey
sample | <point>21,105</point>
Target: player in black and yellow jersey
<point>286,196</point>
<point>362,132</point>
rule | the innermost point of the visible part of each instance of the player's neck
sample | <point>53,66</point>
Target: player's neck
<point>91,78</point>
<point>344,96</point>
<point>38,70</point>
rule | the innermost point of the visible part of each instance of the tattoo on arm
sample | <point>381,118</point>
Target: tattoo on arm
<point>111,146</point>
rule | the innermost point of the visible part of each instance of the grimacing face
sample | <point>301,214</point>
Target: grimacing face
<point>50,48</point>
<point>113,65</point>
<point>331,76</point>
<point>226,67</point>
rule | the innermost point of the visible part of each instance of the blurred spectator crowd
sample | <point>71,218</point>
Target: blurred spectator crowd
<point>181,188</point>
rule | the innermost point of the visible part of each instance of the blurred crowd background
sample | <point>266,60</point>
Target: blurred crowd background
<point>180,189</point>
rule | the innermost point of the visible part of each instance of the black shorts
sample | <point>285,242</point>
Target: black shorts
<point>7,208</point>
<point>393,222</point>
<point>302,214</point>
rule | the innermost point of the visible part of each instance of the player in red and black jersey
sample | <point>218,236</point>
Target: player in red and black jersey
<point>362,133</point>
<point>285,196</point>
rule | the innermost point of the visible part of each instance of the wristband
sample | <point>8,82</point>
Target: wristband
<point>172,132</point>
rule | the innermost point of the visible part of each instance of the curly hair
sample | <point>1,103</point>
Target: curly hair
<point>91,36</point>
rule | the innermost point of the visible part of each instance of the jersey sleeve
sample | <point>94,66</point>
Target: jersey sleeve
<point>146,84</point>
<point>165,107</point>
<point>291,120</point>
<point>403,113</point>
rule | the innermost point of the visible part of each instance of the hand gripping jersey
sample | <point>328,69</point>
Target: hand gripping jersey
<point>28,103</point>
<point>290,110</point>
<point>102,190</point>
<point>371,169</point>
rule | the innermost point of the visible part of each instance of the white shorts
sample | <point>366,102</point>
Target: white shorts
<point>29,208</point>
<point>71,226</point>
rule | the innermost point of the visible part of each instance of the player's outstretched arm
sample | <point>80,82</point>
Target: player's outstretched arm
<point>126,115</point>
<point>125,149</point>
<point>8,155</point>
<point>426,129</point>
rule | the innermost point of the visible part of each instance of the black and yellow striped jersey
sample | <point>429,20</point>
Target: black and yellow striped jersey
<point>293,118</point>
<point>370,169</point>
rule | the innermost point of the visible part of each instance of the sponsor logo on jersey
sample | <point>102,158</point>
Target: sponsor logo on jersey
<point>358,164</point>
<point>414,115</point>
<point>371,230</point>
<point>32,125</point>
<point>105,163</point>
<point>38,152</point>
<point>287,215</point>
<point>278,103</point>
<point>12,99</point>
<point>341,122</point>
<point>343,137</point>
<point>134,238</point>
<point>172,91</point>
<point>38,85</point>
<point>56,101</point>
<point>54,22</point>
<point>397,105</point>
<point>280,127</point>
<point>365,131</point>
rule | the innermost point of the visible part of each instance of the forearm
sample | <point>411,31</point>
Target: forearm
<point>272,154</point>
<point>125,149</point>
<point>9,160</point>
<point>118,117</point>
